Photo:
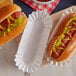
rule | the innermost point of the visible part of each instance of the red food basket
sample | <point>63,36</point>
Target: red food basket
<point>37,5</point>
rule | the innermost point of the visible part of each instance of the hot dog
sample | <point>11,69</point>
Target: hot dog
<point>63,43</point>
<point>12,22</point>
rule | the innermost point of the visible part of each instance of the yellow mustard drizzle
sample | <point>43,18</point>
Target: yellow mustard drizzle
<point>1,27</point>
<point>11,18</point>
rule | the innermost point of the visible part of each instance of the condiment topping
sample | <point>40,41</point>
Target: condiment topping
<point>11,22</point>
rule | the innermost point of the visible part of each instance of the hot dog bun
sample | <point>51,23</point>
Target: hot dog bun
<point>10,9</point>
<point>70,48</point>
<point>4,3</point>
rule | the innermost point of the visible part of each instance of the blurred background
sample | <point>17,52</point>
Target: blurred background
<point>62,5</point>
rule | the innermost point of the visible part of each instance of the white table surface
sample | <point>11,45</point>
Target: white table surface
<point>7,64</point>
<point>8,68</point>
<point>51,70</point>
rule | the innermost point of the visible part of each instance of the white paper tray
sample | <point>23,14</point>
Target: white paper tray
<point>33,42</point>
<point>64,14</point>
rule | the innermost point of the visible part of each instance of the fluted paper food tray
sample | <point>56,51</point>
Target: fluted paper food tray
<point>67,61</point>
<point>33,42</point>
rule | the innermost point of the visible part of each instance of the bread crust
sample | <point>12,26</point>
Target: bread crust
<point>8,10</point>
<point>58,32</point>
<point>4,3</point>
